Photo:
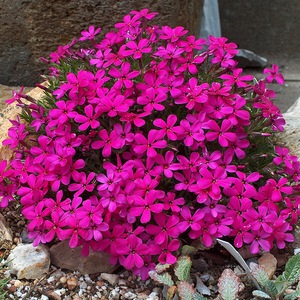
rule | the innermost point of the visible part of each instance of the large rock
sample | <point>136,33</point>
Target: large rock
<point>10,112</point>
<point>64,257</point>
<point>29,262</point>
<point>291,134</point>
<point>269,27</point>
<point>32,29</point>
<point>6,236</point>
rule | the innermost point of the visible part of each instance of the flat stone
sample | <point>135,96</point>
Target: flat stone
<point>269,263</point>
<point>65,257</point>
<point>29,262</point>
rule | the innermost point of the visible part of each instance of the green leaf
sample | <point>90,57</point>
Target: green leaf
<point>259,273</point>
<point>292,270</point>
<point>198,296</point>
<point>183,267</point>
<point>171,292</point>
<point>188,250</point>
<point>185,291</point>
<point>164,278</point>
<point>261,294</point>
<point>228,285</point>
<point>271,287</point>
<point>160,268</point>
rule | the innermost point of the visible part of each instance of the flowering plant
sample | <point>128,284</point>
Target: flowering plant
<point>146,140</point>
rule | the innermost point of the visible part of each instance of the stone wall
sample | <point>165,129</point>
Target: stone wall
<point>267,27</point>
<point>30,29</point>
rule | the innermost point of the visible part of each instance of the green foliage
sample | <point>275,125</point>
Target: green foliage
<point>277,289</point>
<point>181,273</point>
<point>186,291</point>
<point>164,278</point>
<point>260,274</point>
<point>183,267</point>
<point>229,285</point>
<point>291,273</point>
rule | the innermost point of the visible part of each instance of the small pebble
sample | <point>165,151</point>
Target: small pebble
<point>18,283</point>
<point>110,278</point>
<point>72,283</point>
<point>63,279</point>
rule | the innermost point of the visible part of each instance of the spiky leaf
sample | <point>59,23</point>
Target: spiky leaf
<point>183,267</point>
<point>259,273</point>
<point>293,296</point>
<point>160,268</point>
<point>188,250</point>
<point>164,278</point>
<point>228,285</point>
<point>185,290</point>
<point>261,294</point>
<point>171,292</point>
<point>198,296</point>
<point>292,270</point>
<point>271,288</point>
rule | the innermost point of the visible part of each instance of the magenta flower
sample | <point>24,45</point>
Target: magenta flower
<point>220,133</point>
<point>258,239</point>
<point>136,250</point>
<point>292,210</point>
<point>189,220</point>
<point>170,202</point>
<point>166,163</point>
<point>279,188</point>
<point>261,219</point>
<point>17,135</point>
<point>145,207</point>
<point>167,127</point>
<point>172,34</point>
<point>194,94</point>
<point>107,142</point>
<point>89,34</point>
<point>89,119</point>
<point>37,216</point>
<point>137,49</point>
<point>165,251</point>
<point>54,227</point>
<point>123,76</point>
<point>89,214</point>
<point>151,100</point>
<point>167,226</point>
<point>273,74</point>
<point>112,199</point>
<point>190,133</point>
<point>144,141</point>
<point>149,145</point>
<point>108,182</point>
<point>84,183</point>
<point>236,78</point>
<point>58,206</point>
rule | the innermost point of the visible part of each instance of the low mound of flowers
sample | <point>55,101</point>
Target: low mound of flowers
<point>149,139</point>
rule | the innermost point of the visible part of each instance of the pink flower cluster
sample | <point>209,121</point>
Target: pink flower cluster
<point>144,142</point>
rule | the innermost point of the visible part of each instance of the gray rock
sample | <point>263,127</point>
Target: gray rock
<point>29,262</point>
<point>291,134</point>
<point>64,257</point>
<point>5,234</point>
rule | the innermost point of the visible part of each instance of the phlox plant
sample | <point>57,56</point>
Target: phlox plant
<point>148,139</point>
